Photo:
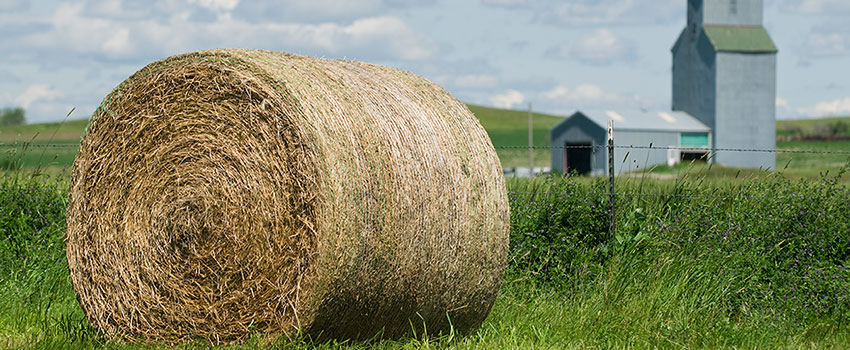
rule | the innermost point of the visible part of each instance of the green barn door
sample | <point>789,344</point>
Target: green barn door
<point>692,139</point>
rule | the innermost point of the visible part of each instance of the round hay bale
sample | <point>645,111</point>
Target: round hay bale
<point>226,192</point>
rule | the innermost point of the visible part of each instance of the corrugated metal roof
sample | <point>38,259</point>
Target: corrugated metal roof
<point>640,120</point>
<point>753,39</point>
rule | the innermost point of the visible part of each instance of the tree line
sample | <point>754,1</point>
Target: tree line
<point>12,116</point>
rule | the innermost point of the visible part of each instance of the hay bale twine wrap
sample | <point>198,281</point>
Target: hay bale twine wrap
<point>225,192</point>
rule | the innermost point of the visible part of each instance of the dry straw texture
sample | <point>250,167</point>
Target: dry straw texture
<point>225,192</point>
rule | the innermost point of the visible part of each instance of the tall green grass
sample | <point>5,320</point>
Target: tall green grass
<point>757,263</point>
<point>40,306</point>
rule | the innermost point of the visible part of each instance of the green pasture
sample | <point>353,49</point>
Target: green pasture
<point>48,147</point>
<point>792,165</point>
<point>508,130</point>
<point>67,131</point>
<point>834,126</point>
<point>704,256</point>
<point>24,145</point>
<point>761,263</point>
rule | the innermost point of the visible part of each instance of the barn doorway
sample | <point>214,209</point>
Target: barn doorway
<point>577,156</point>
<point>694,156</point>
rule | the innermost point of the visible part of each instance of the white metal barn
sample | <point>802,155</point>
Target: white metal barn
<point>579,141</point>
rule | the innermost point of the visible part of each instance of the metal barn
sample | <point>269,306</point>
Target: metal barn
<point>724,74</point>
<point>579,141</point>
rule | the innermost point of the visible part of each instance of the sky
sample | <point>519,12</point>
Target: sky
<point>559,56</point>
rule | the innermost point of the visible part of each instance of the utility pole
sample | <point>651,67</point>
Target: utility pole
<point>530,143</point>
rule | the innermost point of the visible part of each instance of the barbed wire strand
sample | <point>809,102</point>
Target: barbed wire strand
<point>681,148</point>
<point>677,195</point>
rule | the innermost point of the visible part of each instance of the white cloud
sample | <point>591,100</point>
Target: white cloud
<point>836,107</point>
<point>311,11</point>
<point>9,77</point>
<point>817,7</point>
<point>508,99</point>
<point>216,5</point>
<point>37,92</point>
<point>74,33</point>
<point>601,47</point>
<point>47,111</point>
<point>784,109</point>
<point>118,43</point>
<point>476,81</point>
<point>832,108</point>
<point>581,93</point>
<point>391,32</point>
<point>586,13</point>
<point>827,44</point>
<point>71,33</point>
<point>592,98</point>
<point>506,3</point>
<point>13,5</point>
<point>578,13</point>
<point>608,12</point>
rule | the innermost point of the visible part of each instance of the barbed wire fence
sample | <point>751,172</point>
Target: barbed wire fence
<point>610,179</point>
<point>708,155</point>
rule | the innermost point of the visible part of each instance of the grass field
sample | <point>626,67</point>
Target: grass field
<point>790,165</point>
<point>67,131</point>
<point>761,263</point>
<point>508,129</point>
<point>836,126</point>
<point>48,147</point>
<point>712,258</point>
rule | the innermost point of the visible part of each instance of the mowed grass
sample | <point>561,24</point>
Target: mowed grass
<point>508,130</point>
<point>49,147</point>
<point>67,131</point>
<point>811,164</point>
<point>24,146</point>
<point>807,160</point>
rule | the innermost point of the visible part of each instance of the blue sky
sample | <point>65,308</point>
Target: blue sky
<point>558,55</point>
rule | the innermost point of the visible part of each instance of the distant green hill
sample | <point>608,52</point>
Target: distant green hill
<point>505,127</point>
<point>510,127</point>
<point>508,130</point>
<point>813,128</point>
<point>68,131</point>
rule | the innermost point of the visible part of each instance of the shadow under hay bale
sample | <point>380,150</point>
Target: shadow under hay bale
<point>225,192</point>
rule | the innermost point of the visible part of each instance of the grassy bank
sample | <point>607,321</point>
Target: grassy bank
<point>508,129</point>
<point>30,146</point>
<point>757,263</point>
<point>809,128</point>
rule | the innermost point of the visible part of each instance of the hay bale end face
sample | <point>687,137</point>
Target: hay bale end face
<point>225,192</point>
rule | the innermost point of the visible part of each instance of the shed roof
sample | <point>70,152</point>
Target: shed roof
<point>670,121</point>
<point>752,39</point>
